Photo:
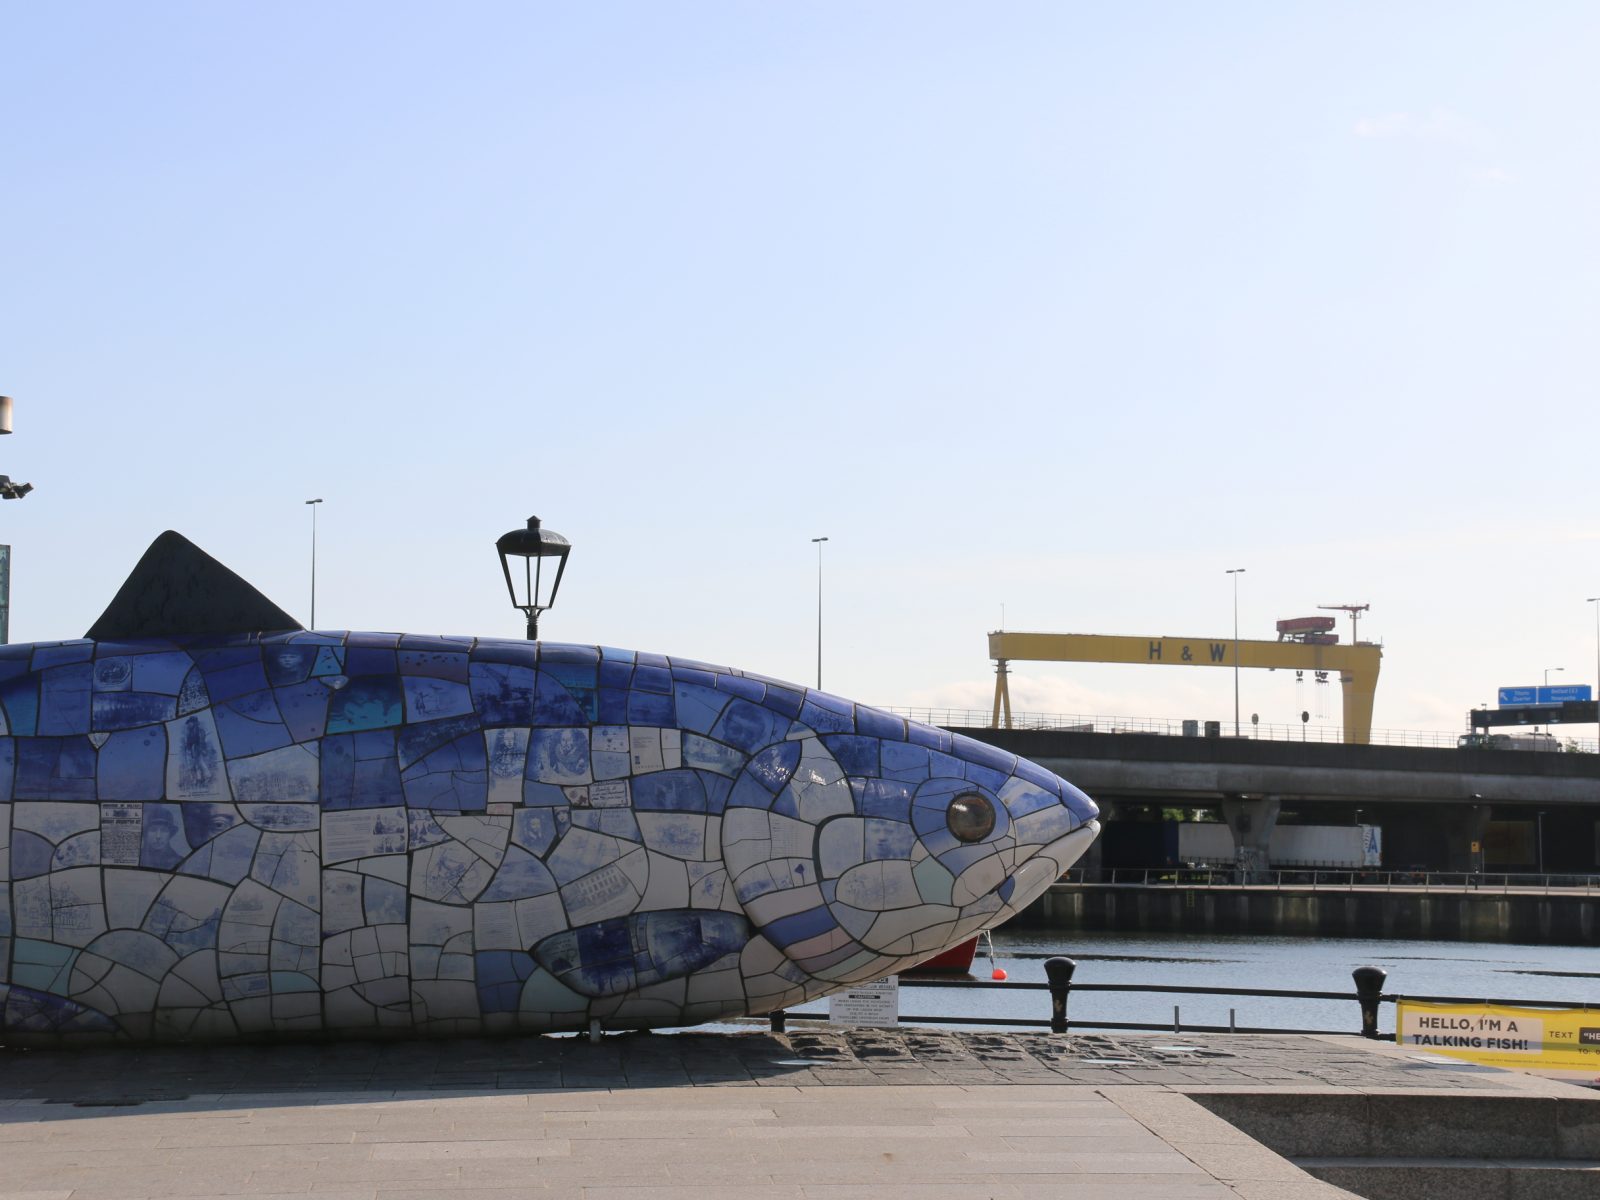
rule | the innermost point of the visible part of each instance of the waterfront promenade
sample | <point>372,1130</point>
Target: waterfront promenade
<point>811,1115</point>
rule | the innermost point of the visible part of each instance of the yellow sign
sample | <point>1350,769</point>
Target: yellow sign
<point>1497,1036</point>
<point>1476,847</point>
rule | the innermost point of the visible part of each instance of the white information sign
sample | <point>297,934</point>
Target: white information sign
<point>875,1005</point>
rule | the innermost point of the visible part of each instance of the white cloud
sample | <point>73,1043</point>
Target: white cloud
<point>1490,175</point>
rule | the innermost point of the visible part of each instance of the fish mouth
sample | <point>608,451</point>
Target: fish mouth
<point>1046,865</point>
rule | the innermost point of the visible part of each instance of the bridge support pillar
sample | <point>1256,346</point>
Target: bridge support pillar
<point>1470,826</point>
<point>1251,822</point>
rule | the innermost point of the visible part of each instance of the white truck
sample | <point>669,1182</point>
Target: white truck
<point>1342,846</point>
<point>1545,742</point>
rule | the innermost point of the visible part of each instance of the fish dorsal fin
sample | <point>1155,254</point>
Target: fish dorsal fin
<point>178,589</point>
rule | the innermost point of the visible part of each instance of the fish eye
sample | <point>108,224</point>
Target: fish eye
<point>970,817</point>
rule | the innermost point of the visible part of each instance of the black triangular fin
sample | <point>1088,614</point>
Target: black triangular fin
<point>178,589</point>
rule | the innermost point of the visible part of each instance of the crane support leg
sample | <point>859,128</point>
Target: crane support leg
<point>1002,695</point>
<point>1358,689</point>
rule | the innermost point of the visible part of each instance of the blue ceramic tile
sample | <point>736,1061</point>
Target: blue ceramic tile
<point>500,975</point>
<point>803,926</point>
<point>365,702</point>
<point>775,766</point>
<point>129,710</point>
<point>232,672</point>
<point>855,755</point>
<point>748,727</point>
<point>670,791</point>
<point>64,700</point>
<point>370,660</point>
<point>55,769</point>
<point>286,664</point>
<point>429,699</point>
<point>113,673</point>
<point>20,698</point>
<point>304,709</point>
<point>250,725</point>
<point>652,678</point>
<point>133,765</point>
<point>162,845</point>
<point>745,689</point>
<point>648,708</point>
<point>55,654</point>
<point>876,723</point>
<point>503,693</point>
<point>553,704</point>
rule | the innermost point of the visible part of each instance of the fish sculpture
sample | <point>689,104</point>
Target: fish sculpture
<point>215,824</point>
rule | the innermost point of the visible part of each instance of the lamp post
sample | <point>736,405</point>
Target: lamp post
<point>1235,572</point>
<point>817,541</point>
<point>533,545</point>
<point>1595,600</point>
<point>313,504</point>
<point>9,490</point>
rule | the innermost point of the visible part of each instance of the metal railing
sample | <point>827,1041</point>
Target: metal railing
<point>980,718</point>
<point>1333,879</point>
<point>1368,995</point>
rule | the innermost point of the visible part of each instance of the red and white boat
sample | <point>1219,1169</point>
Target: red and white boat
<point>955,961</point>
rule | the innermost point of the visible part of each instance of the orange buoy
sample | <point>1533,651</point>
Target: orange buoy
<point>999,973</point>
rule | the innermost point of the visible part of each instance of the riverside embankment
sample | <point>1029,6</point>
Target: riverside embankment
<point>1566,917</point>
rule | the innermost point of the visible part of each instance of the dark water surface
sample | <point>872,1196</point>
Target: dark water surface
<point>1475,969</point>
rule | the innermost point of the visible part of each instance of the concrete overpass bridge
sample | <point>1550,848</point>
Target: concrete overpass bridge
<point>1529,811</point>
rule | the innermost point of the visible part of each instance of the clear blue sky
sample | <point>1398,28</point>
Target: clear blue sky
<point>1065,307</point>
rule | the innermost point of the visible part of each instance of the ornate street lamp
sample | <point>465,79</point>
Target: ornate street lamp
<point>8,489</point>
<point>533,545</point>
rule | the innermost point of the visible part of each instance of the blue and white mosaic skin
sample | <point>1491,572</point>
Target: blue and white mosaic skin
<point>358,834</point>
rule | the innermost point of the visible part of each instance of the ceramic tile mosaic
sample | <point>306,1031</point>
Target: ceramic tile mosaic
<point>360,833</point>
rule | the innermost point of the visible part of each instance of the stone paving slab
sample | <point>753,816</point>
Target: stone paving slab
<point>221,1076</point>
<point>812,1115</point>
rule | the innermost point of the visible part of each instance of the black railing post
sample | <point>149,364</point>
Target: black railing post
<point>1369,990</point>
<point>778,1018</point>
<point>1059,972</point>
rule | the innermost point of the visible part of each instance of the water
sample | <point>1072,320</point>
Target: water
<point>1566,973</point>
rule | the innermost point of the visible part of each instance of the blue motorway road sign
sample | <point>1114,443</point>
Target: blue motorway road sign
<point>1518,695</point>
<point>1560,695</point>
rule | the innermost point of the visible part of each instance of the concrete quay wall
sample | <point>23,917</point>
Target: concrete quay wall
<point>1467,915</point>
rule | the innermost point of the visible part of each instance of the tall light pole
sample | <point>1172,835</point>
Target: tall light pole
<point>1235,572</point>
<point>1595,600</point>
<point>313,504</point>
<point>818,542</point>
<point>1547,671</point>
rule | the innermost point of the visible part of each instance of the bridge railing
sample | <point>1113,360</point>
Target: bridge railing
<point>1369,994</point>
<point>1338,879</point>
<point>979,718</point>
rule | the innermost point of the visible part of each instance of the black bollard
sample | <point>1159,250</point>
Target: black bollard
<point>1369,990</point>
<point>779,1019</point>
<point>1059,972</point>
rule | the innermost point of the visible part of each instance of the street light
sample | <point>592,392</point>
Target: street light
<point>313,504</point>
<point>1595,600</point>
<point>533,545</point>
<point>1547,671</point>
<point>1235,572</point>
<point>818,542</point>
<point>9,490</point>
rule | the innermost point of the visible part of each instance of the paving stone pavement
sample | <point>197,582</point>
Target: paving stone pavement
<point>822,1115</point>
<point>119,1077</point>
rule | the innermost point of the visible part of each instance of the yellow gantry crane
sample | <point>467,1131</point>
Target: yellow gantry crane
<point>1357,664</point>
